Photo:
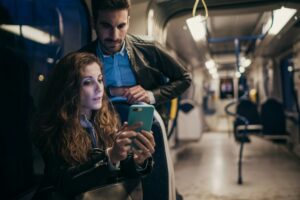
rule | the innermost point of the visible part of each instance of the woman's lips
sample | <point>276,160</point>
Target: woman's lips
<point>97,98</point>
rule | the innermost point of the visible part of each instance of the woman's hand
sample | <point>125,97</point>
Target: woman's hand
<point>145,142</point>
<point>122,143</point>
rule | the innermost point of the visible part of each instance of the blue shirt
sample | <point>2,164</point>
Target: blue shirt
<point>118,71</point>
<point>117,68</point>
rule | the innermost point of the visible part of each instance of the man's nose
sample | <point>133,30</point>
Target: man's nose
<point>114,33</point>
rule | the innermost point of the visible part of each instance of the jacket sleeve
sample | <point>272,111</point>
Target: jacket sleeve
<point>130,170</point>
<point>179,79</point>
<point>73,180</point>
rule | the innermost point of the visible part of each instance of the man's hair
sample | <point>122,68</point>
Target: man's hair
<point>99,5</point>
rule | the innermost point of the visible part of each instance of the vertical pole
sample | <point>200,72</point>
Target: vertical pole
<point>240,178</point>
<point>237,53</point>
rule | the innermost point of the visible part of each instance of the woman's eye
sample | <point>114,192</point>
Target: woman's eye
<point>87,82</point>
<point>100,80</point>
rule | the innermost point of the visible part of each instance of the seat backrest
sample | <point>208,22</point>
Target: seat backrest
<point>273,118</point>
<point>247,109</point>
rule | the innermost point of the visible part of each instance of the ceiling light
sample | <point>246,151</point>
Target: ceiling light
<point>29,33</point>
<point>210,64</point>
<point>281,17</point>
<point>215,76</point>
<point>212,70</point>
<point>197,27</point>
<point>245,62</point>
<point>241,70</point>
<point>237,74</point>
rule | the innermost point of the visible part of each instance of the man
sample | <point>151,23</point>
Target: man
<point>137,70</point>
<point>133,68</point>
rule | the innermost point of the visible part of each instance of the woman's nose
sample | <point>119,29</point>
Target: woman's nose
<point>98,86</point>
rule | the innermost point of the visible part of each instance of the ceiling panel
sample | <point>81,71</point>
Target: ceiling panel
<point>228,19</point>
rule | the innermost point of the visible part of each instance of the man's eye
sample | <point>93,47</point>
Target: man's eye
<point>121,26</point>
<point>100,80</point>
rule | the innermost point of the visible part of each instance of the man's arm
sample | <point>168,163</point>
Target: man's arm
<point>179,79</point>
<point>138,94</point>
<point>161,65</point>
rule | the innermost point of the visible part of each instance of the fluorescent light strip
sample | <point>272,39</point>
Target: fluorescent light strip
<point>281,17</point>
<point>29,33</point>
<point>197,27</point>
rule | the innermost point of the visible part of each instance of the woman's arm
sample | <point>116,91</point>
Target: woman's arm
<point>73,180</point>
<point>130,169</point>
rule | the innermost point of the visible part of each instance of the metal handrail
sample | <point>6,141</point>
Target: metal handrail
<point>246,123</point>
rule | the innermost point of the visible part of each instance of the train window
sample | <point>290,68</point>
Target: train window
<point>41,32</point>
<point>289,96</point>
<point>226,88</point>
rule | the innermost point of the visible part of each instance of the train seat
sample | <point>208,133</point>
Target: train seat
<point>273,120</point>
<point>247,120</point>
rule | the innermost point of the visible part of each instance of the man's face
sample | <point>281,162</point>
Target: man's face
<point>111,27</point>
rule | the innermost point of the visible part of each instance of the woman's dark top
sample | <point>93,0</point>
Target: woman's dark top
<point>70,181</point>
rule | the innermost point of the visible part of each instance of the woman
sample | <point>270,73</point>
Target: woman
<point>80,138</point>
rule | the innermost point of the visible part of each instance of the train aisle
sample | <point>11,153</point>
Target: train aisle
<point>207,170</point>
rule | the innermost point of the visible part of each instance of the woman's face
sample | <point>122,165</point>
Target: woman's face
<point>92,89</point>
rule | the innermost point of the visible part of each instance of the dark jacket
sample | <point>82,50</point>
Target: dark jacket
<point>70,181</point>
<point>152,66</point>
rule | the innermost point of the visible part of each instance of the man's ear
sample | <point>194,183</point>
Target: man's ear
<point>128,20</point>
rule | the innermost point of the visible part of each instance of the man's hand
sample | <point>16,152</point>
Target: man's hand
<point>136,94</point>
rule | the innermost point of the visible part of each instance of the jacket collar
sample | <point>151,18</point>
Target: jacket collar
<point>129,49</point>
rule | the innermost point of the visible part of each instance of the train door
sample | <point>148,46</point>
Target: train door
<point>290,75</point>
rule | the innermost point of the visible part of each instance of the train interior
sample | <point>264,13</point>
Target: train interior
<point>244,57</point>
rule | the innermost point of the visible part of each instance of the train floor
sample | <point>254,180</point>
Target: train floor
<point>207,170</point>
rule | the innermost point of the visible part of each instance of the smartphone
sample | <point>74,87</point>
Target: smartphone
<point>141,113</point>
